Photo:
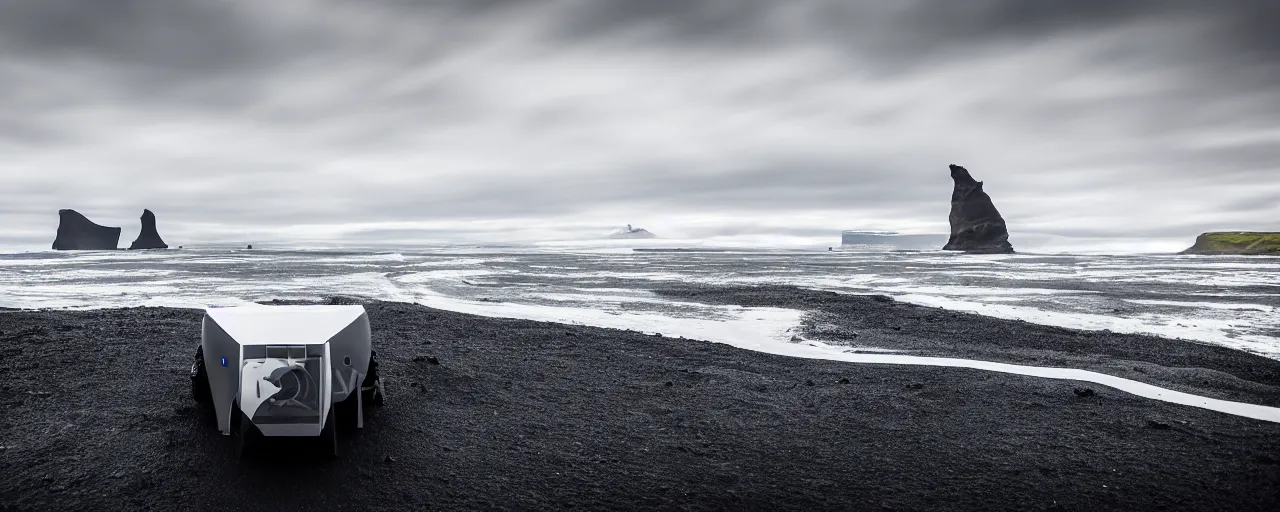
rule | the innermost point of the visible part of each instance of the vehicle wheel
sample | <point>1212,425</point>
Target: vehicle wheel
<point>246,435</point>
<point>347,414</point>
<point>329,436</point>
<point>372,386</point>
<point>200,379</point>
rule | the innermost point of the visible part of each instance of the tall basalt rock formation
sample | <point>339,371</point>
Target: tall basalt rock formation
<point>148,238</point>
<point>75,232</point>
<point>976,225</point>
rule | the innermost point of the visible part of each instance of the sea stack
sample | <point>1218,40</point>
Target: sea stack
<point>77,233</point>
<point>976,225</point>
<point>148,238</point>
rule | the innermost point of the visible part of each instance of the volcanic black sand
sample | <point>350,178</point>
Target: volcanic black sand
<point>512,414</point>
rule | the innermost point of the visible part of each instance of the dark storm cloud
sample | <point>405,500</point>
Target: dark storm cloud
<point>908,31</point>
<point>171,33</point>
<point>697,117</point>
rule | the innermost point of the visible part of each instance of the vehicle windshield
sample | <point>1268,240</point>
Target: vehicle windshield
<point>283,383</point>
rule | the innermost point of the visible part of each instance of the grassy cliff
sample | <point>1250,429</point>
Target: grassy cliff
<point>1236,243</point>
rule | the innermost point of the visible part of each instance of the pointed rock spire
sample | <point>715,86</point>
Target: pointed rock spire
<point>148,238</point>
<point>976,225</point>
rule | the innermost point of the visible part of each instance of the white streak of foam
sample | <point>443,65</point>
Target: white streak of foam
<point>815,350</point>
<point>754,325</point>
<point>1209,305</point>
<point>427,276</point>
<point>979,291</point>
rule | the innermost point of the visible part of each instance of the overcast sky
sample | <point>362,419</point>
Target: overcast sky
<point>461,120</point>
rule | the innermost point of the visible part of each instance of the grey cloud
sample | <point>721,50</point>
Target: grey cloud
<point>297,112</point>
<point>902,33</point>
<point>151,36</point>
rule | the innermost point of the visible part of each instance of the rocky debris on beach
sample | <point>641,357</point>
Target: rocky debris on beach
<point>148,238</point>
<point>631,233</point>
<point>1083,392</point>
<point>78,233</point>
<point>1241,242</point>
<point>976,225</point>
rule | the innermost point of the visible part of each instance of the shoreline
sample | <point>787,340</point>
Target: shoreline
<point>880,322</point>
<point>525,414</point>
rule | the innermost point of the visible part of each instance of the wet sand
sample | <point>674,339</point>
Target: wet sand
<point>530,415</point>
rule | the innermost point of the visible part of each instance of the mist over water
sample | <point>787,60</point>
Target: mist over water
<point>1229,301</point>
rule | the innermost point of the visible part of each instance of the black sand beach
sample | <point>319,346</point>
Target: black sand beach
<point>529,415</point>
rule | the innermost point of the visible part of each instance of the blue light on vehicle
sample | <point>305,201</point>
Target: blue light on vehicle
<point>224,361</point>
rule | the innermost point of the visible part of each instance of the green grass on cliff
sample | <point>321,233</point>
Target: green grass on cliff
<point>1237,243</point>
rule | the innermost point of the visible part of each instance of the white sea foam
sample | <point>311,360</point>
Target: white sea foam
<point>457,262</point>
<point>598,298</point>
<point>1210,305</point>
<point>815,350</point>
<point>1217,331</point>
<point>442,274</point>
<point>977,291</point>
<point>744,325</point>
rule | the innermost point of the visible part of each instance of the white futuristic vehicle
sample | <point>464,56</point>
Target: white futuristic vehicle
<point>286,370</point>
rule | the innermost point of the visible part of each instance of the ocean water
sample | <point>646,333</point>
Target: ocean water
<point>1229,301</point>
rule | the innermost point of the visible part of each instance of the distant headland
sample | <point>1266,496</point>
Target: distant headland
<point>1239,242</point>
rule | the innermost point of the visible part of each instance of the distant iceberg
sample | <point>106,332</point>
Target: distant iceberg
<point>890,240</point>
<point>631,233</point>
